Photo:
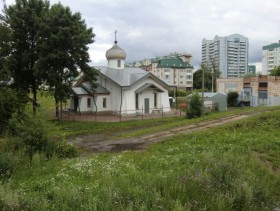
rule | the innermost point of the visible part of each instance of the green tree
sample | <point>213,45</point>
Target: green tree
<point>232,98</point>
<point>194,106</point>
<point>5,39</point>
<point>63,49</point>
<point>197,80</point>
<point>275,71</point>
<point>211,73</point>
<point>10,103</point>
<point>24,18</point>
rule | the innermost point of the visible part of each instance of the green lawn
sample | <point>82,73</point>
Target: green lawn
<point>233,167</point>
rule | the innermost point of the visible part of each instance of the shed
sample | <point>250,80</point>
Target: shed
<point>214,100</point>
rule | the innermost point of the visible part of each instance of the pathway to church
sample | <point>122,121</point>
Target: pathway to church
<point>92,143</point>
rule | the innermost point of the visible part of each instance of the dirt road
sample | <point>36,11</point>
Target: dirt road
<point>92,143</point>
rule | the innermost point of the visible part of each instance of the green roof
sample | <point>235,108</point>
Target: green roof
<point>173,62</point>
<point>271,46</point>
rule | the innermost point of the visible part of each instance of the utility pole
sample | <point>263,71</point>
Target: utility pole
<point>212,73</point>
<point>203,69</point>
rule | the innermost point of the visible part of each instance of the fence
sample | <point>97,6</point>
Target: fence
<point>123,115</point>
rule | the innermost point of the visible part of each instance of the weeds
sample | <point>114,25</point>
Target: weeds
<point>211,170</point>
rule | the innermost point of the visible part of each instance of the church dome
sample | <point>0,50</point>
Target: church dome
<point>115,53</point>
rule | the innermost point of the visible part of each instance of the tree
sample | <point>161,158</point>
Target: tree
<point>10,102</point>
<point>195,106</point>
<point>197,79</point>
<point>24,18</point>
<point>5,39</point>
<point>63,50</point>
<point>232,98</point>
<point>275,71</point>
<point>211,73</point>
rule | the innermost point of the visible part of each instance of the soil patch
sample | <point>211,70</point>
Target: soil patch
<point>92,143</point>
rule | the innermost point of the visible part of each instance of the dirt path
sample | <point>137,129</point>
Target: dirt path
<point>105,143</point>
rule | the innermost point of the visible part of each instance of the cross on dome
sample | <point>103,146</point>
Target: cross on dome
<point>116,37</point>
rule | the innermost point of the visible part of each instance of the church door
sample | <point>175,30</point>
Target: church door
<point>147,106</point>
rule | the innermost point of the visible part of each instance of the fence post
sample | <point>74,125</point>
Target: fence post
<point>142,113</point>
<point>162,111</point>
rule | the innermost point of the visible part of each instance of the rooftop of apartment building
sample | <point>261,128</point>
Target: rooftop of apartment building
<point>157,58</point>
<point>173,62</point>
<point>271,46</point>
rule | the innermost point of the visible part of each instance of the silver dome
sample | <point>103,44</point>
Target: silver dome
<point>115,53</point>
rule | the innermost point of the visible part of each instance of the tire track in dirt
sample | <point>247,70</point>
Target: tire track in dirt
<point>93,143</point>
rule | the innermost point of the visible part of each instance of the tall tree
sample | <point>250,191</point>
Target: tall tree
<point>63,49</point>
<point>24,18</point>
<point>197,79</point>
<point>5,39</point>
<point>275,71</point>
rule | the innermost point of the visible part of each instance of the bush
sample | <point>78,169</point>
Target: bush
<point>195,107</point>
<point>66,150</point>
<point>30,133</point>
<point>10,103</point>
<point>7,165</point>
<point>232,98</point>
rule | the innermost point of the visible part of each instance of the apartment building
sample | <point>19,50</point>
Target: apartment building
<point>229,55</point>
<point>175,69</point>
<point>270,57</point>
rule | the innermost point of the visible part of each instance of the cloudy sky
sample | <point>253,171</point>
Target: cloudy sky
<point>150,28</point>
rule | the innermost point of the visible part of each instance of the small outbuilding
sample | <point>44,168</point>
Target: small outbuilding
<point>213,101</point>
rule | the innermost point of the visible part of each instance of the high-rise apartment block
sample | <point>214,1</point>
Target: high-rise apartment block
<point>270,57</point>
<point>229,55</point>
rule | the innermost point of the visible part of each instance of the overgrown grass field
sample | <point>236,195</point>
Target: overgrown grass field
<point>233,167</point>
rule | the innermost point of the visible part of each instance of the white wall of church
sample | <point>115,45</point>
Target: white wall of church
<point>114,99</point>
<point>116,64</point>
<point>83,103</point>
<point>162,97</point>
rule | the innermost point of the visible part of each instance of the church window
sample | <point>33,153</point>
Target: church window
<point>155,100</point>
<point>88,102</point>
<point>104,103</point>
<point>137,101</point>
<point>119,63</point>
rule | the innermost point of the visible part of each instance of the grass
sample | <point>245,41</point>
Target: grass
<point>129,128</point>
<point>233,167</point>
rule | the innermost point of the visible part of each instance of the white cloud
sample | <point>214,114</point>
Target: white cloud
<point>149,28</point>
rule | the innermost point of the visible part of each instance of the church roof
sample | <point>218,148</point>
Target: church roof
<point>123,77</point>
<point>127,76</point>
<point>85,89</point>
<point>97,90</point>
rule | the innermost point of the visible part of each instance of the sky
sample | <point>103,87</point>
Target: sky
<point>150,28</point>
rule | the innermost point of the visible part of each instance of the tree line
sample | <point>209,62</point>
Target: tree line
<point>40,43</point>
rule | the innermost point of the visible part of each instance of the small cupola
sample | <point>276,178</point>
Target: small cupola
<point>116,56</point>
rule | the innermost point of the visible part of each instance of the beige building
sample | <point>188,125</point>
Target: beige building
<point>175,69</point>
<point>258,91</point>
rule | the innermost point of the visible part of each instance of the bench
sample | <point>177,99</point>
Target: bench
<point>156,110</point>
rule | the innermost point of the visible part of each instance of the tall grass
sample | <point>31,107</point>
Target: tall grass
<point>234,167</point>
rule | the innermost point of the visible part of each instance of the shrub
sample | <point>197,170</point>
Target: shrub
<point>31,130</point>
<point>195,107</point>
<point>232,98</point>
<point>7,165</point>
<point>66,150</point>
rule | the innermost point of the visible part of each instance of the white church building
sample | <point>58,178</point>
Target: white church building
<point>120,90</point>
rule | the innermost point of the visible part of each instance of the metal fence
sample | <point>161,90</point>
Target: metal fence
<point>123,115</point>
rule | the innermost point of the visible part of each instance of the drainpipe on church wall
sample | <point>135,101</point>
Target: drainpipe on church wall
<point>121,104</point>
